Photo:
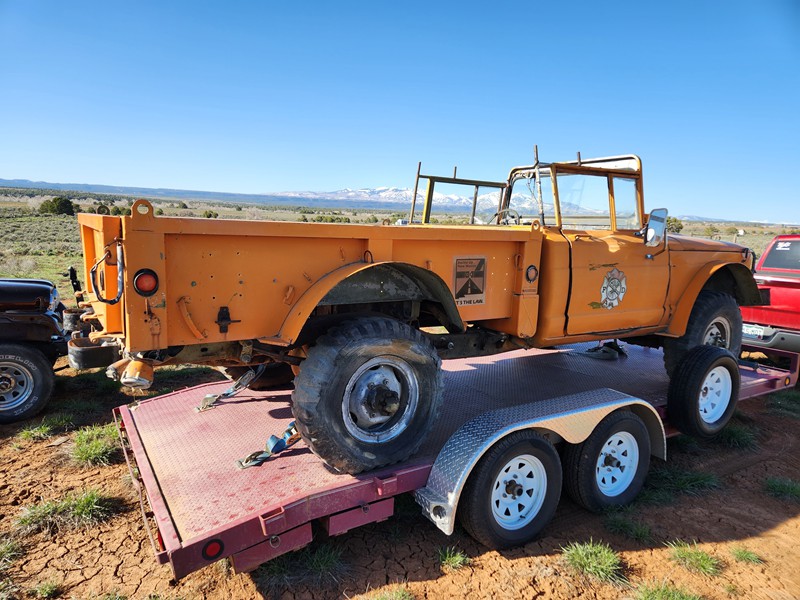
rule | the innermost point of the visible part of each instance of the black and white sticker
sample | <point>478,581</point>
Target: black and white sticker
<point>469,274</point>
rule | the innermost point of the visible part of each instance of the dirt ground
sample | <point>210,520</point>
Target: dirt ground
<point>399,558</point>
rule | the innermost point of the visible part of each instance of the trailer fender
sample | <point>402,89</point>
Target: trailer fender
<point>719,276</point>
<point>361,283</point>
<point>572,418</point>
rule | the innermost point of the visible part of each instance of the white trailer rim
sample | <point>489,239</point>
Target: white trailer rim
<point>518,492</point>
<point>617,464</point>
<point>715,395</point>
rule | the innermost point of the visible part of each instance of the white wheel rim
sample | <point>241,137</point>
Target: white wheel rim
<point>715,395</point>
<point>518,492</point>
<point>617,463</point>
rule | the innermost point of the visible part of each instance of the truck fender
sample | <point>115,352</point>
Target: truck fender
<point>571,418</point>
<point>745,291</point>
<point>371,282</point>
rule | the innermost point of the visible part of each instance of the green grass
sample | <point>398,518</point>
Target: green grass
<point>731,589</point>
<point>75,510</point>
<point>47,428</point>
<point>595,559</point>
<point>96,444</point>
<point>738,437</point>
<point>8,591</point>
<point>785,403</point>
<point>783,488</point>
<point>397,592</point>
<point>9,551</point>
<point>663,591</point>
<point>694,559</point>
<point>47,589</point>
<point>663,484</point>
<point>742,554</point>
<point>325,562</point>
<point>452,559</point>
<point>621,523</point>
<point>311,565</point>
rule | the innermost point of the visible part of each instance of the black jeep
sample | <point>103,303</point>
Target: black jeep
<point>32,337</point>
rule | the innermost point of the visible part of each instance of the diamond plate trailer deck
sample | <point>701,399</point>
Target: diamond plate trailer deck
<point>199,507</point>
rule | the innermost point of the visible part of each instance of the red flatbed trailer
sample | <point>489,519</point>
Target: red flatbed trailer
<point>200,507</point>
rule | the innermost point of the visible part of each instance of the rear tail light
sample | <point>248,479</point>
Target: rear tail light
<point>145,282</point>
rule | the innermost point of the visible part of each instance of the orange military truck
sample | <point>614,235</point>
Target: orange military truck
<point>362,315</point>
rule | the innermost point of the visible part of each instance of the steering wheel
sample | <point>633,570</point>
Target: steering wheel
<point>509,212</point>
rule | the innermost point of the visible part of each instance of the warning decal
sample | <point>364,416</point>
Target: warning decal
<point>470,281</point>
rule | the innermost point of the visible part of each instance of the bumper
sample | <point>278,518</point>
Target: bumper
<point>764,336</point>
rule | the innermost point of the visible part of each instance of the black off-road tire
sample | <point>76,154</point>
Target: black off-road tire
<point>275,375</point>
<point>341,367</point>
<point>703,392</point>
<point>598,487</point>
<point>26,382</point>
<point>485,517</point>
<point>712,310</point>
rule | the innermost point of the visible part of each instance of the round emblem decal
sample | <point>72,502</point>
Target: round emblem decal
<point>613,290</point>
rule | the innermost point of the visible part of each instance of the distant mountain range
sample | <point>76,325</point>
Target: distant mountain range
<point>386,198</point>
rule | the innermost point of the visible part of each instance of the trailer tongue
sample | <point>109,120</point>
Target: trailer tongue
<point>200,507</point>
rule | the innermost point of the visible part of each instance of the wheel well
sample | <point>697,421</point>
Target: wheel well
<point>400,291</point>
<point>737,281</point>
<point>655,430</point>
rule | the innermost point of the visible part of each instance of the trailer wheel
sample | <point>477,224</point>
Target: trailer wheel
<point>367,394</point>
<point>609,467</point>
<point>715,320</point>
<point>512,492</point>
<point>26,382</point>
<point>274,375</point>
<point>703,392</point>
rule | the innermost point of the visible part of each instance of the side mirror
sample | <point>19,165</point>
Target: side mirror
<point>655,234</point>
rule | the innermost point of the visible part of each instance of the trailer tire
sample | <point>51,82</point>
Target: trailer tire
<point>368,393</point>
<point>609,467</point>
<point>275,375</point>
<point>715,320</point>
<point>703,392</point>
<point>26,382</point>
<point>499,511</point>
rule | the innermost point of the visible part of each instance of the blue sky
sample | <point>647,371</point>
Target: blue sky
<point>267,96</point>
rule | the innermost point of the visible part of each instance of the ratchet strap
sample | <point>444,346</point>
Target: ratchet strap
<point>274,445</point>
<point>210,400</point>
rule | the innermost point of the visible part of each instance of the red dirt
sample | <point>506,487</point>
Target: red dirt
<point>403,551</point>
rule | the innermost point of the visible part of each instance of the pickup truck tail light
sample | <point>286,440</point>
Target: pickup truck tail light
<point>145,282</point>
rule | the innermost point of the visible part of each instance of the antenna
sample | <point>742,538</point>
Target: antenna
<point>579,159</point>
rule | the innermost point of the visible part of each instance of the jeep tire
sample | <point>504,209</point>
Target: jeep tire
<point>26,382</point>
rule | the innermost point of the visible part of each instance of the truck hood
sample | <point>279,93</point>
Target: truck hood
<point>684,243</point>
<point>27,294</point>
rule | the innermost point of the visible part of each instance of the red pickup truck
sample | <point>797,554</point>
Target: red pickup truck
<point>776,324</point>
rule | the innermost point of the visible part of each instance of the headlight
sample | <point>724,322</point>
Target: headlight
<point>55,300</point>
